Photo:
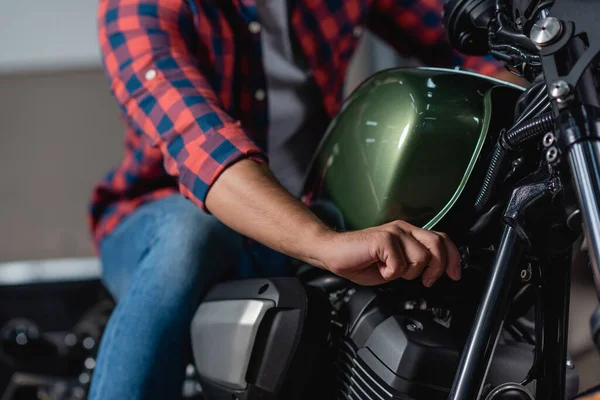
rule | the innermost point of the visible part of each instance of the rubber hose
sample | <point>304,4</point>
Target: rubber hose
<point>508,141</point>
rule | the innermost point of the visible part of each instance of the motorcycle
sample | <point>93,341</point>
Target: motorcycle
<point>511,174</point>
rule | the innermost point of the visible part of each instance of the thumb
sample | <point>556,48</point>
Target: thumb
<point>369,276</point>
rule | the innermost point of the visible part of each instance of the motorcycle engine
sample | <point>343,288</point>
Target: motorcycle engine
<point>325,338</point>
<point>388,349</point>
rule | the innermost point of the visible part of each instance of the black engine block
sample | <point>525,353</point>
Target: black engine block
<point>383,353</point>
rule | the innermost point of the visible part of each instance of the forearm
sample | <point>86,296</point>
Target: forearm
<point>247,198</point>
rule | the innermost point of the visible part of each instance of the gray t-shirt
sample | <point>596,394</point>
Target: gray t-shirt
<point>297,120</point>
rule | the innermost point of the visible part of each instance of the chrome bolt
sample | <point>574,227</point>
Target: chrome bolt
<point>570,364</point>
<point>516,163</point>
<point>560,90</point>
<point>414,326</point>
<point>546,31</point>
<point>190,370</point>
<point>552,154</point>
<point>548,139</point>
<point>526,275</point>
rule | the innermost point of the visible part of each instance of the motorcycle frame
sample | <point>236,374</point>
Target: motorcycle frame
<point>552,284</point>
<point>577,131</point>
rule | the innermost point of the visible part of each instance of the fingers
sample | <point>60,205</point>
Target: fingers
<point>395,250</point>
<point>444,254</point>
<point>393,263</point>
<point>417,256</point>
<point>453,258</point>
<point>434,242</point>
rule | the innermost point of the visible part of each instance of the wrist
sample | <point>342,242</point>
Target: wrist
<point>318,239</point>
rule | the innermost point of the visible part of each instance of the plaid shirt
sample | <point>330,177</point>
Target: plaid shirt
<point>189,78</point>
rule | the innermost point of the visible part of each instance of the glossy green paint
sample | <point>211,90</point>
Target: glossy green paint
<point>403,146</point>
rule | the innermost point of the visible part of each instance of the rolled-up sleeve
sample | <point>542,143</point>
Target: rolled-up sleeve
<point>414,28</point>
<point>163,92</point>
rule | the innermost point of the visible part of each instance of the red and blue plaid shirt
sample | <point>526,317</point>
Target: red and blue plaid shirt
<point>186,74</point>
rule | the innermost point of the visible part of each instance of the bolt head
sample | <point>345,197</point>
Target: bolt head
<point>560,90</point>
<point>546,31</point>
<point>414,326</point>
<point>548,139</point>
<point>552,154</point>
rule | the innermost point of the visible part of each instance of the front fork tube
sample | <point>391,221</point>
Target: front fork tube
<point>554,286</point>
<point>479,348</point>
<point>480,345</point>
<point>555,295</point>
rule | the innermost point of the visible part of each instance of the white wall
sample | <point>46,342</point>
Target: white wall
<point>47,34</point>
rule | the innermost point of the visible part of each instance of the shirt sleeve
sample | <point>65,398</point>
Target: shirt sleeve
<point>415,28</point>
<point>146,50</point>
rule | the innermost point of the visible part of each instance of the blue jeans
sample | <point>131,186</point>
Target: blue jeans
<point>158,264</point>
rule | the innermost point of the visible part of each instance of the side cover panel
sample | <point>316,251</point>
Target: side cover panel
<point>224,334</point>
<point>261,339</point>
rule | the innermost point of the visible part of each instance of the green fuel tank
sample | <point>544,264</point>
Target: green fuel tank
<point>411,144</point>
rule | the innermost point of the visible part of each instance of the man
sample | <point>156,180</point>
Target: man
<point>224,103</point>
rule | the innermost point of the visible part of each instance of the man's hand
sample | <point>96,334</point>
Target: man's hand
<point>396,250</point>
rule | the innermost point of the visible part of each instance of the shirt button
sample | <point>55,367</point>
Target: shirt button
<point>357,31</point>
<point>254,27</point>
<point>259,95</point>
<point>150,74</point>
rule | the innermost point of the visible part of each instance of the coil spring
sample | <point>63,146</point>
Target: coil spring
<point>508,142</point>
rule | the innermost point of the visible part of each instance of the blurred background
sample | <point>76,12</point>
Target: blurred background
<point>60,127</point>
<point>61,132</point>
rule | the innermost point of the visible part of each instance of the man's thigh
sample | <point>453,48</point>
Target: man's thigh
<point>170,242</point>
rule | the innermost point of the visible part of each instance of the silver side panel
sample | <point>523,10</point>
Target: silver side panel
<point>223,334</point>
